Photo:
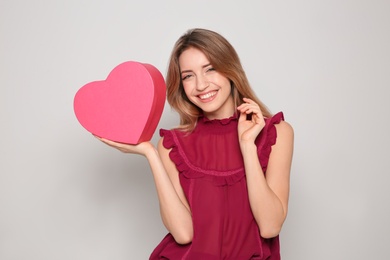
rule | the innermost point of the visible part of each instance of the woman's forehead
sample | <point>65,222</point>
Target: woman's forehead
<point>192,58</point>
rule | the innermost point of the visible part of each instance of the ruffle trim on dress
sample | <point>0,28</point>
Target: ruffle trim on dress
<point>264,142</point>
<point>267,139</point>
<point>190,171</point>
<point>224,121</point>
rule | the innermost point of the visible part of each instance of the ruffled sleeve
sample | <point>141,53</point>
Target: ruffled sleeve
<point>267,138</point>
<point>177,154</point>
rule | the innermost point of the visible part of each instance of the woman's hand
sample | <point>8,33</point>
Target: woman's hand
<point>141,148</point>
<point>249,128</point>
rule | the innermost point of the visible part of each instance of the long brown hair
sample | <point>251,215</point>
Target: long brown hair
<point>222,57</point>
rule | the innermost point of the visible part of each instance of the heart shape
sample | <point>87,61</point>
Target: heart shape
<point>126,107</point>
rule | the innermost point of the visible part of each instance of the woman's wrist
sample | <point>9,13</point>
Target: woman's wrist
<point>247,146</point>
<point>150,151</point>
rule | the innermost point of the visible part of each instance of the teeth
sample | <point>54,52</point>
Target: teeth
<point>208,95</point>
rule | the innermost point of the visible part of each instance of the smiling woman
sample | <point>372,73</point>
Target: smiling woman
<point>222,176</point>
<point>205,87</point>
<point>222,57</point>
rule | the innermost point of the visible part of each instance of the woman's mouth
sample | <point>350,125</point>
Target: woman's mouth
<point>207,96</point>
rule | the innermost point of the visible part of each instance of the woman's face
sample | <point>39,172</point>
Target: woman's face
<point>204,86</point>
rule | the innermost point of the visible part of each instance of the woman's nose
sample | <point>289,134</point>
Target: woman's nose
<point>202,83</point>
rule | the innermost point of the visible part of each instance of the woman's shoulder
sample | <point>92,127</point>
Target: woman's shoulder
<point>281,125</point>
<point>275,129</point>
<point>166,138</point>
<point>169,138</point>
<point>284,127</point>
<point>284,133</point>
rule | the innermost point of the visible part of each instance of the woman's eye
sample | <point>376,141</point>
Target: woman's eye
<point>210,69</point>
<point>185,77</point>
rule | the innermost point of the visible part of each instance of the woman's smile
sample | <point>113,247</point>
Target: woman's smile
<point>204,86</point>
<point>209,96</point>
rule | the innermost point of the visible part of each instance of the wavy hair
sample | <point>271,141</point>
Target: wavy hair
<point>223,58</point>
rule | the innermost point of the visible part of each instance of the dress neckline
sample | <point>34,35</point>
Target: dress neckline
<point>223,121</point>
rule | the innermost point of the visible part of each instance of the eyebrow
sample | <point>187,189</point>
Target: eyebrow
<point>204,66</point>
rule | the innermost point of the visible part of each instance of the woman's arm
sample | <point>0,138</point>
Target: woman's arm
<point>268,195</point>
<point>174,209</point>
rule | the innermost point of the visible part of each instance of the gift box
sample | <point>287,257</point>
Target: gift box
<point>126,107</point>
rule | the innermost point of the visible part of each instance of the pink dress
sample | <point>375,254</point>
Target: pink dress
<point>212,175</point>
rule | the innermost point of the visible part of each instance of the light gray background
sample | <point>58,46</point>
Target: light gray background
<point>64,195</point>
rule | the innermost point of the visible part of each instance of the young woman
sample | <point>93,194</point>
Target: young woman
<point>222,176</point>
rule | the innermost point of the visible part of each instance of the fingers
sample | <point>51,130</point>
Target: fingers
<point>110,143</point>
<point>250,107</point>
<point>106,141</point>
<point>252,110</point>
<point>141,148</point>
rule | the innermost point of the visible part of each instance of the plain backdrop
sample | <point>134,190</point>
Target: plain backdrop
<point>325,64</point>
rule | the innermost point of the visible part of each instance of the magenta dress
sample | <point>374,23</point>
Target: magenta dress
<point>211,172</point>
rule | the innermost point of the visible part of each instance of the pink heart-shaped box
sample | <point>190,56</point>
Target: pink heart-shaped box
<point>126,107</point>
